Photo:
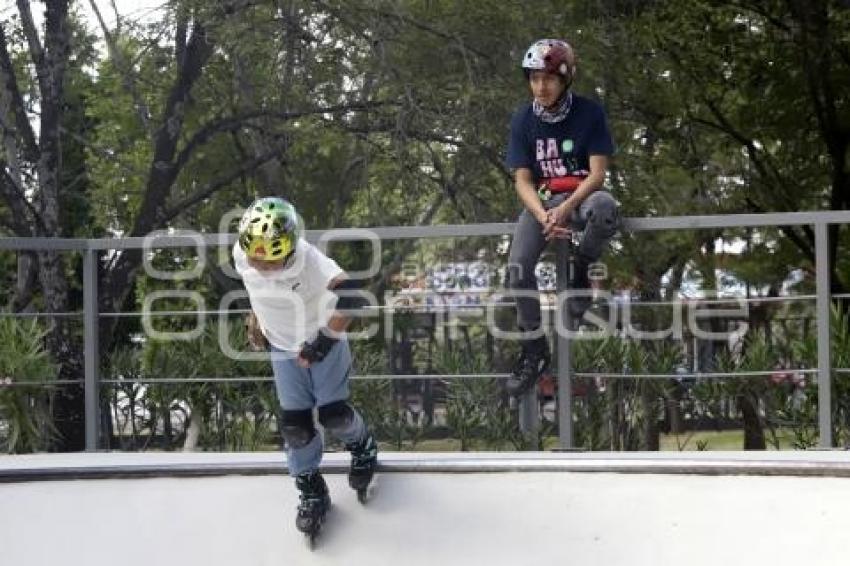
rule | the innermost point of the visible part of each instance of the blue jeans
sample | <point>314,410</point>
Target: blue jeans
<point>306,388</point>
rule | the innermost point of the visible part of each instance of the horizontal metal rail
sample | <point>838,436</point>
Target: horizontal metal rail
<point>439,308</point>
<point>69,314</point>
<point>696,375</point>
<point>418,309</point>
<point>436,376</point>
<point>52,383</point>
<point>769,220</point>
<point>260,378</point>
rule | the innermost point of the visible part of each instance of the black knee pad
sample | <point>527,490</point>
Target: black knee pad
<point>297,428</point>
<point>604,216</point>
<point>336,416</point>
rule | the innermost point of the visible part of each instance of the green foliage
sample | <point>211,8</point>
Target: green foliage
<point>614,413</point>
<point>476,408</point>
<point>622,413</point>
<point>228,416</point>
<point>805,415</point>
<point>25,368</point>
<point>377,400</point>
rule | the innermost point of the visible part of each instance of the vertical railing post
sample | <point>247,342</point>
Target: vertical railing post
<point>529,414</point>
<point>92,361</point>
<point>824,299</point>
<point>529,409</point>
<point>563,262</point>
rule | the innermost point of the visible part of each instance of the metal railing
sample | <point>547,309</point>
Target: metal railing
<point>820,221</point>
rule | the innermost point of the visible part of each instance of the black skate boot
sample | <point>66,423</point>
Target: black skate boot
<point>364,460</point>
<point>314,504</point>
<point>532,362</point>
<point>578,305</point>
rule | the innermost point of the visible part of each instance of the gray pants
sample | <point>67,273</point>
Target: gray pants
<point>597,216</point>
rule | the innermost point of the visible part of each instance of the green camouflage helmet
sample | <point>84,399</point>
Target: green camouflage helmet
<point>269,229</point>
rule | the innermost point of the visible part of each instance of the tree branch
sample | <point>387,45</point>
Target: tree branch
<point>758,8</point>
<point>52,108</point>
<point>180,36</point>
<point>489,153</point>
<point>403,18</point>
<point>36,50</point>
<point>767,170</point>
<point>392,268</point>
<point>211,188</point>
<point>22,126</point>
<point>126,72</point>
<point>233,123</point>
<point>17,220</point>
<point>807,247</point>
<point>162,172</point>
<point>446,184</point>
<point>26,282</point>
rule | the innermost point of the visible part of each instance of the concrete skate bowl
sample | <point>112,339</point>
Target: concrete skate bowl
<point>429,509</point>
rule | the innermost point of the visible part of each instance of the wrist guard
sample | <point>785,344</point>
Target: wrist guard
<point>318,349</point>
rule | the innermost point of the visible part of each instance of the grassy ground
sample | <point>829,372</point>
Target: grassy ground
<point>721,440</point>
<point>700,440</point>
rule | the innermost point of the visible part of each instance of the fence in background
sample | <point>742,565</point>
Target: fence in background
<point>819,221</point>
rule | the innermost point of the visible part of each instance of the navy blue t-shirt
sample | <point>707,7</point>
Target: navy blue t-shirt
<point>562,149</point>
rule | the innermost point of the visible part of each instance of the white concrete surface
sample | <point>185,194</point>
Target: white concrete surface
<point>89,459</point>
<point>431,519</point>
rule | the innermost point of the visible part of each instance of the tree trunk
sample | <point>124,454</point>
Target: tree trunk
<point>25,284</point>
<point>67,350</point>
<point>63,343</point>
<point>163,171</point>
<point>615,416</point>
<point>69,403</point>
<point>674,410</point>
<point>650,440</point>
<point>193,432</point>
<point>753,429</point>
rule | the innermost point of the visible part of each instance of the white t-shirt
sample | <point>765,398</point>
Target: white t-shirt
<point>294,303</point>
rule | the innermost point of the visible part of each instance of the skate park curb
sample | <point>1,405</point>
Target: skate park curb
<point>110,465</point>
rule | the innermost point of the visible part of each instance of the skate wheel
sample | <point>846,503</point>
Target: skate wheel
<point>310,538</point>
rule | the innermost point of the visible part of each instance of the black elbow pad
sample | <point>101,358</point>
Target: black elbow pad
<point>349,296</point>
